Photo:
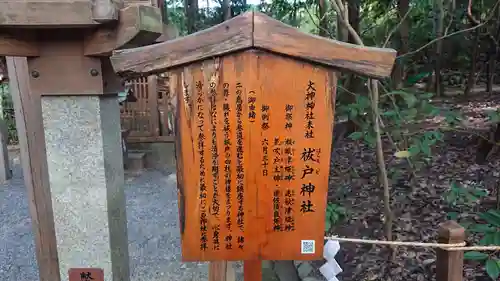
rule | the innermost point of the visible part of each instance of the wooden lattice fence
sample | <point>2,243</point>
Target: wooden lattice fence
<point>150,118</point>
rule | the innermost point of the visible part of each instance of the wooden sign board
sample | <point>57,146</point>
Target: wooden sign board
<point>86,274</point>
<point>253,155</point>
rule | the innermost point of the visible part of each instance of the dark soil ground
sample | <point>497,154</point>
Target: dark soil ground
<point>418,208</point>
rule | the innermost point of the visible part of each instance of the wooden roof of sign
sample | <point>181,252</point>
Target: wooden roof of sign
<point>255,30</point>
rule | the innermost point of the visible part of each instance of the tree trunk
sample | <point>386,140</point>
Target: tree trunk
<point>438,87</point>
<point>492,57</point>
<point>191,9</point>
<point>323,22</point>
<point>353,13</point>
<point>404,34</point>
<point>226,9</point>
<point>3,69</point>
<point>471,80</point>
<point>293,14</point>
<point>342,32</point>
<point>162,5</point>
<point>355,83</point>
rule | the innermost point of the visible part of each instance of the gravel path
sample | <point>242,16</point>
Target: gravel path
<point>153,231</point>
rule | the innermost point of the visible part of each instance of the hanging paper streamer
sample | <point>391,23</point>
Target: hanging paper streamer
<point>331,268</point>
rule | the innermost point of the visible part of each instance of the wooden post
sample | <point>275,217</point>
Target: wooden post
<point>154,113</point>
<point>33,158</point>
<point>68,122</point>
<point>221,271</point>
<point>449,265</point>
<point>252,270</point>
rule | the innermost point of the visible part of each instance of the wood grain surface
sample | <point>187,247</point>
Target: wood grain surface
<point>259,31</point>
<point>253,153</point>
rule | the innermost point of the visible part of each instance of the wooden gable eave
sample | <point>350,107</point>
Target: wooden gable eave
<point>231,36</point>
<point>18,44</point>
<point>255,30</point>
<point>274,36</point>
<point>142,24</point>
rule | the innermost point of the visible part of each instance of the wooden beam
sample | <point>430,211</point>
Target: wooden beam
<point>230,36</point>
<point>46,14</point>
<point>63,58</point>
<point>112,83</point>
<point>275,36</point>
<point>18,45</point>
<point>169,32</point>
<point>29,126</point>
<point>255,30</point>
<point>139,25</point>
<point>146,139</point>
<point>104,11</point>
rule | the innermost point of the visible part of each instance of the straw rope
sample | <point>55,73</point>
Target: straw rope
<point>448,247</point>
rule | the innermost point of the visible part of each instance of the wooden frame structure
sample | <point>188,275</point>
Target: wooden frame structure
<point>149,119</point>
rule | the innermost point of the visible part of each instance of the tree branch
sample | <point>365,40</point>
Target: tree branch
<point>373,86</point>
<point>396,28</point>
<point>490,16</point>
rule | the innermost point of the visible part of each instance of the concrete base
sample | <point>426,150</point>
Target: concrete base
<point>136,161</point>
<point>84,157</point>
<point>158,155</point>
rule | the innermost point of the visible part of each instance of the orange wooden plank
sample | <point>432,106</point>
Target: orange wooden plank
<point>252,270</point>
<point>233,115</point>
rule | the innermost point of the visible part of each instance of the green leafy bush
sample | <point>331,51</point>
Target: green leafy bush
<point>334,214</point>
<point>488,227</point>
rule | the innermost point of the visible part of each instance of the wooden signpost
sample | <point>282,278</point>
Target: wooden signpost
<point>255,104</point>
<point>67,115</point>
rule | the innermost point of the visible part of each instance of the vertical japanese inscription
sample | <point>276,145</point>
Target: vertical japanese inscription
<point>265,141</point>
<point>276,209</point>
<point>201,152</point>
<point>277,161</point>
<point>283,171</point>
<point>215,206</point>
<point>288,116</point>
<point>240,172</point>
<point>265,117</point>
<point>265,157</point>
<point>251,106</point>
<point>289,150</point>
<point>278,177</point>
<point>227,165</point>
<point>309,156</point>
<point>289,172</point>
<point>289,205</point>
<point>310,103</point>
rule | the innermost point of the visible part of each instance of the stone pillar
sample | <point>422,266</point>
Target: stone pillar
<point>85,165</point>
<point>65,97</point>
